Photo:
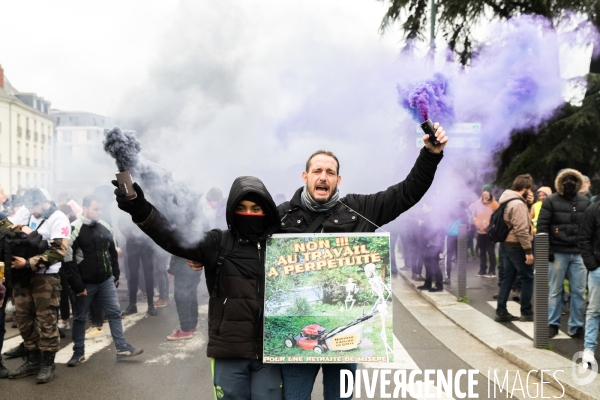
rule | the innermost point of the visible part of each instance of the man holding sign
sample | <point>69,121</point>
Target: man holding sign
<point>317,207</point>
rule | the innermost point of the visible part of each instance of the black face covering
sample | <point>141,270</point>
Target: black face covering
<point>569,189</point>
<point>249,226</point>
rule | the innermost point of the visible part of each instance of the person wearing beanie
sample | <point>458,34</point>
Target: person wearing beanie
<point>542,193</point>
<point>482,212</point>
<point>233,262</point>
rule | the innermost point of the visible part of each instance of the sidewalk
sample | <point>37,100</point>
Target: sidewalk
<point>507,339</point>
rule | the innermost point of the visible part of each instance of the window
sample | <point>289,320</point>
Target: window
<point>67,136</point>
<point>19,179</point>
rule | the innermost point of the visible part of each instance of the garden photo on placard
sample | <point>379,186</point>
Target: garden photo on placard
<point>328,298</point>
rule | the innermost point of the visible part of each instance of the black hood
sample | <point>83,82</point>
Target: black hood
<point>250,184</point>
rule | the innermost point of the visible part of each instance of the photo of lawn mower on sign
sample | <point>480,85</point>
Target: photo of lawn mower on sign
<point>315,337</point>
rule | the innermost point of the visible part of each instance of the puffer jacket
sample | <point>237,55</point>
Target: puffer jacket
<point>235,315</point>
<point>364,213</point>
<point>561,217</point>
<point>589,237</point>
<point>482,211</point>
<point>516,216</point>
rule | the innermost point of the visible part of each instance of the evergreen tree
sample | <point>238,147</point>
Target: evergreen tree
<point>570,138</point>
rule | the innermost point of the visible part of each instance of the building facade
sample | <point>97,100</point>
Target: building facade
<point>81,164</point>
<point>26,142</point>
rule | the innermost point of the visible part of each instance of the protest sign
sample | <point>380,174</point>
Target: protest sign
<point>328,298</point>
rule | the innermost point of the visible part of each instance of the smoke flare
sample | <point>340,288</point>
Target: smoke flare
<point>175,200</point>
<point>429,99</point>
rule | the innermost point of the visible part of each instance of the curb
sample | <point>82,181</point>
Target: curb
<point>512,346</point>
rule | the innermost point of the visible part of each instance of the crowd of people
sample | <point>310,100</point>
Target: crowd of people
<point>63,262</point>
<point>571,219</point>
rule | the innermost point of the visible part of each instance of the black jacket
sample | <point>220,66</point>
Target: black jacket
<point>92,255</point>
<point>589,237</point>
<point>380,208</point>
<point>561,217</point>
<point>235,315</point>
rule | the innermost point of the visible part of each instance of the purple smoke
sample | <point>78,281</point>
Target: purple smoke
<point>429,99</point>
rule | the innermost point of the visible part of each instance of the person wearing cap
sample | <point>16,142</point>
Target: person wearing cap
<point>482,212</point>
<point>585,188</point>
<point>234,277</point>
<point>560,217</point>
<point>37,302</point>
<point>542,193</point>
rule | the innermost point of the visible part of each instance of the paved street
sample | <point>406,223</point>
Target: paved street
<point>425,339</point>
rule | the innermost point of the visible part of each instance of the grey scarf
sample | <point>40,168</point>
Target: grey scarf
<point>310,204</point>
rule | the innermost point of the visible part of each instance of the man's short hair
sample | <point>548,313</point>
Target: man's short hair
<point>521,182</point>
<point>34,197</point>
<point>214,194</point>
<point>327,153</point>
<point>87,200</point>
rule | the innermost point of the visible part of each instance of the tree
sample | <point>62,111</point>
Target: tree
<point>569,138</point>
<point>457,18</point>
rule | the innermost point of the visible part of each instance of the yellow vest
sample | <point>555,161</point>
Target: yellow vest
<point>536,213</point>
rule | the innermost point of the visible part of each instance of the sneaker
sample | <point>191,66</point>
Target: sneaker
<point>492,275</point>
<point>495,296</point>
<point>3,371</point>
<point>130,311</point>
<point>516,296</point>
<point>579,333</point>
<point>64,326</point>
<point>128,351</point>
<point>447,281</point>
<point>552,331</point>
<point>161,303</point>
<point>588,358</point>
<point>507,317</point>
<point>194,331</point>
<point>77,359</point>
<point>180,335</point>
<point>479,274</point>
<point>92,332</point>
<point>526,318</point>
<point>425,286</point>
<point>417,277</point>
<point>152,311</point>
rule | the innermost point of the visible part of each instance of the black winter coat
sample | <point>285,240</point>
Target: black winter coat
<point>561,219</point>
<point>235,315</point>
<point>92,257</point>
<point>589,237</point>
<point>380,208</point>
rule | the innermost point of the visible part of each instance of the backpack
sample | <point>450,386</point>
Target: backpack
<point>498,229</point>
<point>14,242</point>
<point>225,247</point>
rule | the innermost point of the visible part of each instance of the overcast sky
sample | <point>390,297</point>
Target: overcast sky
<point>86,56</point>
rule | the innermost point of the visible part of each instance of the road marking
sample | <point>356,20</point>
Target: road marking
<point>526,327</point>
<point>402,360</point>
<point>99,342</point>
<point>181,349</point>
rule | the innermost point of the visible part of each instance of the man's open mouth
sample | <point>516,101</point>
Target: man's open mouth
<point>321,190</point>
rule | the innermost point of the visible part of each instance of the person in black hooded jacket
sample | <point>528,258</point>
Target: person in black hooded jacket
<point>235,315</point>
<point>560,217</point>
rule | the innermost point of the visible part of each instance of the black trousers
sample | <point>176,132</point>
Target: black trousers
<point>433,273</point>
<point>186,298</point>
<point>3,322</point>
<point>140,256</point>
<point>65,299</point>
<point>487,248</point>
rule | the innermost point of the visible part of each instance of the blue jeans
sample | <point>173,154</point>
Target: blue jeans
<point>573,263</point>
<point>513,264</point>
<point>298,380</point>
<point>592,315</point>
<point>106,295</point>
